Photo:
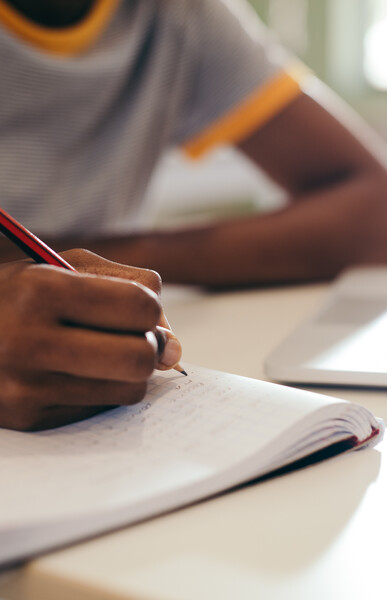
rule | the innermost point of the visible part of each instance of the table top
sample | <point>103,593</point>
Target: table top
<point>315,533</point>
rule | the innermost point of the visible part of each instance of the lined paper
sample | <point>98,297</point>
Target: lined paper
<point>186,430</point>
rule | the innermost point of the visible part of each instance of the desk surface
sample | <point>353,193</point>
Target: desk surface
<point>317,533</point>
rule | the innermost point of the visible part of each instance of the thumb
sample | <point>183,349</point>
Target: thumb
<point>169,348</point>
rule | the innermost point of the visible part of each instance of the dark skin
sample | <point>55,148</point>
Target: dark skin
<point>73,344</point>
<point>336,217</point>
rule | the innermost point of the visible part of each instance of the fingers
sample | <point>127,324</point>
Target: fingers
<point>84,353</point>
<point>58,416</point>
<point>53,399</point>
<point>47,417</point>
<point>75,391</point>
<point>86,300</point>
<point>88,262</point>
<point>73,344</point>
<point>92,263</point>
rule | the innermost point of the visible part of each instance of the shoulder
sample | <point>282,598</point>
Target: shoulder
<point>213,17</point>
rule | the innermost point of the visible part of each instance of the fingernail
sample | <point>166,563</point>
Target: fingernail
<point>172,353</point>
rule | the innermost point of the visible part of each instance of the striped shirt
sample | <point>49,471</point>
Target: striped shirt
<point>86,111</point>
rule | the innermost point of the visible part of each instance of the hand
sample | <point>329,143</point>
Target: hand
<point>74,344</point>
<point>88,262</point>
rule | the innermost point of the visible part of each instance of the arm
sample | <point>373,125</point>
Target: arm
<point>336,217</point>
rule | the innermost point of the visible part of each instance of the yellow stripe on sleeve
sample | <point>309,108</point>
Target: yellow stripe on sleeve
<point>251,114</point>
<point>66,41</point>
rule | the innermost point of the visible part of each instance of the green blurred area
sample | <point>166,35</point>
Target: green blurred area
<point>314,55</point>
<point>334,31</point>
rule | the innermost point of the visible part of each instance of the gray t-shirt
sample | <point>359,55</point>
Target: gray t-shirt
<point>81,135</point>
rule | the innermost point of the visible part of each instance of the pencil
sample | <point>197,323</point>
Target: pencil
<point>36,249</point>
<point>29,243</point>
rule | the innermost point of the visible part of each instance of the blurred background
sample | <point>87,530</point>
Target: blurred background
<point>345,43</point>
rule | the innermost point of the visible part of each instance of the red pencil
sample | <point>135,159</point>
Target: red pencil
<point>29,243</point>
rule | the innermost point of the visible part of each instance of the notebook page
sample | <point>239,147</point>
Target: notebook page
<point>185,430</point>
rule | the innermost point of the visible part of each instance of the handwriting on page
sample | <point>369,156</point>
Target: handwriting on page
<point>205,422</point>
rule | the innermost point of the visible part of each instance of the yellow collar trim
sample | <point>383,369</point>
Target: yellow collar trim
<point>67,41</point>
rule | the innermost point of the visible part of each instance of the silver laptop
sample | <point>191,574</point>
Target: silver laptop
<point>345,342</point>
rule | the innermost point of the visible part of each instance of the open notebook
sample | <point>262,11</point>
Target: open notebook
<point>190,438</point>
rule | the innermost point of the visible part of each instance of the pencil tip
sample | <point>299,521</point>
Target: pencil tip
<point>179,369</point>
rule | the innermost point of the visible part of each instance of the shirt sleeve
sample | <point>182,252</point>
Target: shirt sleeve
<point>240,77</point>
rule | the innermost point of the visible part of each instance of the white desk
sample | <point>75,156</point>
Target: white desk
<point>318,533</point>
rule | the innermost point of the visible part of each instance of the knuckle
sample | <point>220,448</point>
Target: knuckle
<point>32,289</point>
<point>81,258</point>
<point>152,280</point>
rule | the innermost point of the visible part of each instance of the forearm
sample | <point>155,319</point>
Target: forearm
<point>313,238</point>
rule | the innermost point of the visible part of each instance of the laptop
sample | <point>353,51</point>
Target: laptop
<point>345,341</point>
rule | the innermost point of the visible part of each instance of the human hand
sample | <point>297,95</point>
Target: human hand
<point>74,344</point>
<point>88,262</point>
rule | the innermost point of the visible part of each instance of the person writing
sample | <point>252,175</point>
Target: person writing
<point>75,343</point>
<point>93,91</point>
